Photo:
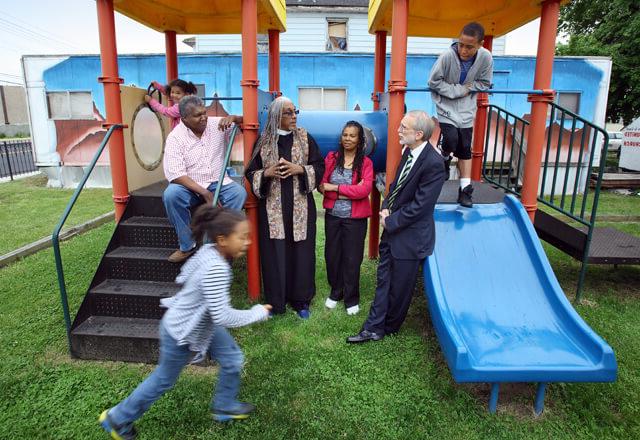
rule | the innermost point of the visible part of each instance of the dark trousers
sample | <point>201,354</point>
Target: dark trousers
<point>343,251</point>
<point>394,290</point>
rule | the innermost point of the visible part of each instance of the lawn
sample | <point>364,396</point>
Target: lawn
<point>30,210</point>
<point>306,382</point>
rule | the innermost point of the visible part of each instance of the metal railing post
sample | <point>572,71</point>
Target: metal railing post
<point>55,237</point>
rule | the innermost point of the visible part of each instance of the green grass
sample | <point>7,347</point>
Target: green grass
<point>306,382</point>
<point>29,210</point>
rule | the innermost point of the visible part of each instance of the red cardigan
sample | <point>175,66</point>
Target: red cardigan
<point>357,192</point>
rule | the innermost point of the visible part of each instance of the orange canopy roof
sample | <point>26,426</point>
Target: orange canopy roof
<point>445,18</point>
<point>201,16</point>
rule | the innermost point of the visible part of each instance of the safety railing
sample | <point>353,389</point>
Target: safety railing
<point>505,168</point>
<point>223,170</point>
<point>55,238</point>
<point>568,161</point>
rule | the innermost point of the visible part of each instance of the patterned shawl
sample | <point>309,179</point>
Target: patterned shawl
<point>299,156</point>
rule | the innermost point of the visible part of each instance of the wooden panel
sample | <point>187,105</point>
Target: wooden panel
<point>138,177</point>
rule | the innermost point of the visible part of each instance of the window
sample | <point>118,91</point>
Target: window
<point>263,43</point>
<point>322,98</point>
<point>336,34</point>
<point>569,101</point>
<point>200,90</point>
<point>70,105</point>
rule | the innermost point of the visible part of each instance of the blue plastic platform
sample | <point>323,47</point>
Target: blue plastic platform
<point>497,308</point>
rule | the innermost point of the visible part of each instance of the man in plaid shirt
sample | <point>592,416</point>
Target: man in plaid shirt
<point>193,161</point>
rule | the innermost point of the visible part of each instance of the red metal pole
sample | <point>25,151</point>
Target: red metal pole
<point>274,61</point>
<point>379,67</point>
<point>171,55</point>
<point>397,85</point>
<point>480,125</point>
<point>250,126</point>
<point>542,80</point>
<point>111,83</point>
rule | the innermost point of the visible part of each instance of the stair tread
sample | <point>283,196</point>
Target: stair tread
<point>118,327</point>
<point>144,253</point>
<point>135,287</point>
<point>140,220</point>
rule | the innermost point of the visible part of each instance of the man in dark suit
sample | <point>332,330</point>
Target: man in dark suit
<point>409,229</point>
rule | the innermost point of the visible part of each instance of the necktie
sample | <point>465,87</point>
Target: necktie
<point>403,176</point>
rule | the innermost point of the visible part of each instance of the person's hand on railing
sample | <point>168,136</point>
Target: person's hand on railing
<point>226,122</point>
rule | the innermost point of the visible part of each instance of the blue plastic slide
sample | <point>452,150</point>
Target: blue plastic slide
<point>497,308</point>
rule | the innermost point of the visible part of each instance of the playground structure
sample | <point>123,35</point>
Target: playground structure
<point>480,338</point>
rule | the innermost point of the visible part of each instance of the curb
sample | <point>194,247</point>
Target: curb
<point>45,242</point>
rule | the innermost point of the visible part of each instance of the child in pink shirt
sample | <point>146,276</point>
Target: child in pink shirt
<point>175,90</point>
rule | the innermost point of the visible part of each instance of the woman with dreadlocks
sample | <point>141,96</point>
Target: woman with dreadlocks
<point>285,168</point>
<point>346,185</point>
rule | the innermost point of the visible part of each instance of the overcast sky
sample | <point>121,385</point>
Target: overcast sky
<point>33,27</point>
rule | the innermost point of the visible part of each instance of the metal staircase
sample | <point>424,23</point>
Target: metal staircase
<point>119,316</point>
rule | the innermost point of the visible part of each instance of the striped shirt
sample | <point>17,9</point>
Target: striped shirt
<point>201,159</point>
<point>203,302</point>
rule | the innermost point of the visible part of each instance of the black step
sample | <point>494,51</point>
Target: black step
<point>131,299</point>
<point>141,263</point>
<point>145,231</point>
<point>117,339</point>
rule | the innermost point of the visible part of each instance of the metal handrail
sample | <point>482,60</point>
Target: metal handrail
<point>223,171</point>
<point>588,139</point>
<point>55,238</point>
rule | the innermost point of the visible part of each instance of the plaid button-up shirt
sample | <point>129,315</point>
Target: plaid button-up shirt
<point>200,159</point>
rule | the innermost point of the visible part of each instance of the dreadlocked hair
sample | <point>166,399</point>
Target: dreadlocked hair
<point>269,136</point>
<point>188,88</point>
<point>213,222</point>
<point>359,159</point>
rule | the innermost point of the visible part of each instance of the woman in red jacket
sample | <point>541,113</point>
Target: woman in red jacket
<point>346,186</point>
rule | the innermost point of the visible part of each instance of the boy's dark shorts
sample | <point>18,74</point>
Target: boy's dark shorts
<point>456,140</point>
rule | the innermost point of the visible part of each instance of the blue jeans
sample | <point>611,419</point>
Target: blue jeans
<point>173,358</point>
<point>178,200</point>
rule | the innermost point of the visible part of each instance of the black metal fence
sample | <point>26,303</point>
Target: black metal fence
<point>16,158</point>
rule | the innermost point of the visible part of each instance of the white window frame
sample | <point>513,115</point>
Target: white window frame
<point>568,92</point>
<point>322,90</point>
<point>69,117</point>
<point>328,45</point>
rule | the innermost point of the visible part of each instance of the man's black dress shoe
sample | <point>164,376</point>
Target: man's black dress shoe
<point>364,336</point>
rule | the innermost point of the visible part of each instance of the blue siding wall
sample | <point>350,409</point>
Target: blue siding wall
<point>221,74</point>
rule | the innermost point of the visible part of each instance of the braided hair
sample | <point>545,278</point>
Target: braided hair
<point>269,136</point>
<point>213,221</point>
<point>359,159</point>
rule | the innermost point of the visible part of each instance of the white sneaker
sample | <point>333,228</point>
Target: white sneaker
<point>330,304</point>
<point>353,310</point>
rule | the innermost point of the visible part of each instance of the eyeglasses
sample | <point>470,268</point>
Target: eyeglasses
<point>290,113</point>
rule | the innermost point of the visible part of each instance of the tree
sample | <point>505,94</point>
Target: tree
<point>608,28</point>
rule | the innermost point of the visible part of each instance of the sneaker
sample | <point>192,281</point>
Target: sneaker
<point>464,196</point>
<point>180,256</point>
<point>116,432</point>
<point>239,412</point>
<point>330,304</point>
<point>353,310</point>
<point>304,313</point>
